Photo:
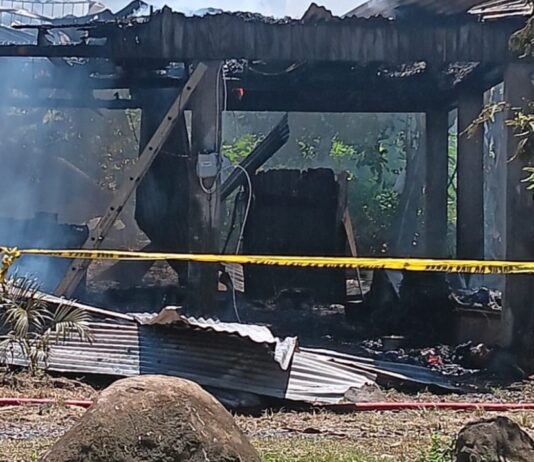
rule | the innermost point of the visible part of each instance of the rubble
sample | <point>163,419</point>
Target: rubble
<point>480,299</point>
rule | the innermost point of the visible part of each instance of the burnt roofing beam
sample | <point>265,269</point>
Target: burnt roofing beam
<point>177,38</point>
<point>55,51</point>
<point>75,103</point>
<point>174,37</point>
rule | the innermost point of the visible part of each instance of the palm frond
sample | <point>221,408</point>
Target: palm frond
<point>33,327</point>
<point>68,320</point>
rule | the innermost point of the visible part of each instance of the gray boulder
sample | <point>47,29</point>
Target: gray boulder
<point>494,440</point>
<point>154,419</point>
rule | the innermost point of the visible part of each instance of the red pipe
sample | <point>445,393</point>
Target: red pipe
<point>362,407</point>
<point>22,401</point>
<point>489,407</point>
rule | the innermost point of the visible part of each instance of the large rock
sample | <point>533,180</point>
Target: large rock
<point>495,440</point>
<point>154,419</point>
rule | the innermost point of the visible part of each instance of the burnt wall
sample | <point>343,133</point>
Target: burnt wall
<point>294,213</point>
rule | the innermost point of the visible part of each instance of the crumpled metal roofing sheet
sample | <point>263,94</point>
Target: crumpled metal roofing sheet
<point>220,356</point>
<point>284,349</point>
<point>208,358</point>
<point>388,369</point>
<point>502,8</point>
<point>389,8</point>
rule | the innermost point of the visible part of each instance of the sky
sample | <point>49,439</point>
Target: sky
<point>277,8</point>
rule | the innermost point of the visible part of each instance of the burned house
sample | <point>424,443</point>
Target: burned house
<point>425,57</point>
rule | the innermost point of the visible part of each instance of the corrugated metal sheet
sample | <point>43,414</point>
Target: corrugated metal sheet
<point>387,369</point>
<point>210,358</point>
<point>315,379</point>
<point>221,356</point>
<point>391,8</point>
<point>503,8</point>
<point>10,35</point>
<point>283,349</point>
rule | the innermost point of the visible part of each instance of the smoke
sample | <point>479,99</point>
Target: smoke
<point>60,165</point>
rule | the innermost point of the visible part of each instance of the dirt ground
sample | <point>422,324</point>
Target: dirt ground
<point>26,432</point>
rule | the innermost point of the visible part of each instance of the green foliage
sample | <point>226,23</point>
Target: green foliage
<point>372,201</point>
<point>522,42</point>
<point>530,178</point>
<point>32,328</point>
<point>308,147</point>
<point>439,451</point>
<point>241,147</point>
<point>370,148</point>
<point>341,150</point>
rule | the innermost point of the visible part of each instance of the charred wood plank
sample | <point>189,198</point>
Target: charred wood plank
<point>272,143</point>
<point>436,197</point>
<point>470,193</point>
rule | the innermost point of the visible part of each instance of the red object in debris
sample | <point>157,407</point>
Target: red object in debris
<point>488,407</point>
<point>239,93</point>
<point>434,360</point>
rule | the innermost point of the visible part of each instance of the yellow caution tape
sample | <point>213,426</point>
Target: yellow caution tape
<point>408,264</point>
<point>8,258</point>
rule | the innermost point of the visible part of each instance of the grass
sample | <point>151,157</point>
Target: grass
<point>271,450</point>
<point>331,450</point>
<point>312,449</point>
<point>24,450</point>
<point>439,450</point>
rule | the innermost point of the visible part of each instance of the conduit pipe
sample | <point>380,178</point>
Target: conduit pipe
<point>22,401</point>
<point>358,407</point>
<point>413,406</point>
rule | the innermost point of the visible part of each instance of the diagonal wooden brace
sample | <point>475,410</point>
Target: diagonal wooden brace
<point>133,178</point>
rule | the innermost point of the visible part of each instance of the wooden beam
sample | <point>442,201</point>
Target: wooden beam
<point>175,37</point>
<point>470,191</point>
<point>437,142</point>
<point>133,177</point>
<point>378,40</point>
<point>519,290</point>
<point>204,207</point>
<point>54,51</point>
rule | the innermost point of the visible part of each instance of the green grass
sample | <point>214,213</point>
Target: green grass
<point>304,449</point>
<point>312,449</point>
<point>342,450</point>
<point>439,451</point>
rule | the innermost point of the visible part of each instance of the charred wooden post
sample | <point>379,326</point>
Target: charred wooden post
<point>470,191</point>
<point>519,289</point>
<point>204,194</point>
<point>162,195</point>
<point>133,177</point>
<point>437,134</point>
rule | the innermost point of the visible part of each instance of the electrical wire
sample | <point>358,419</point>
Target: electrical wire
<point>242,230</point>
<point>247,210</point>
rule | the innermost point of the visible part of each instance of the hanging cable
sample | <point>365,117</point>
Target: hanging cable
<point>241,232</point>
